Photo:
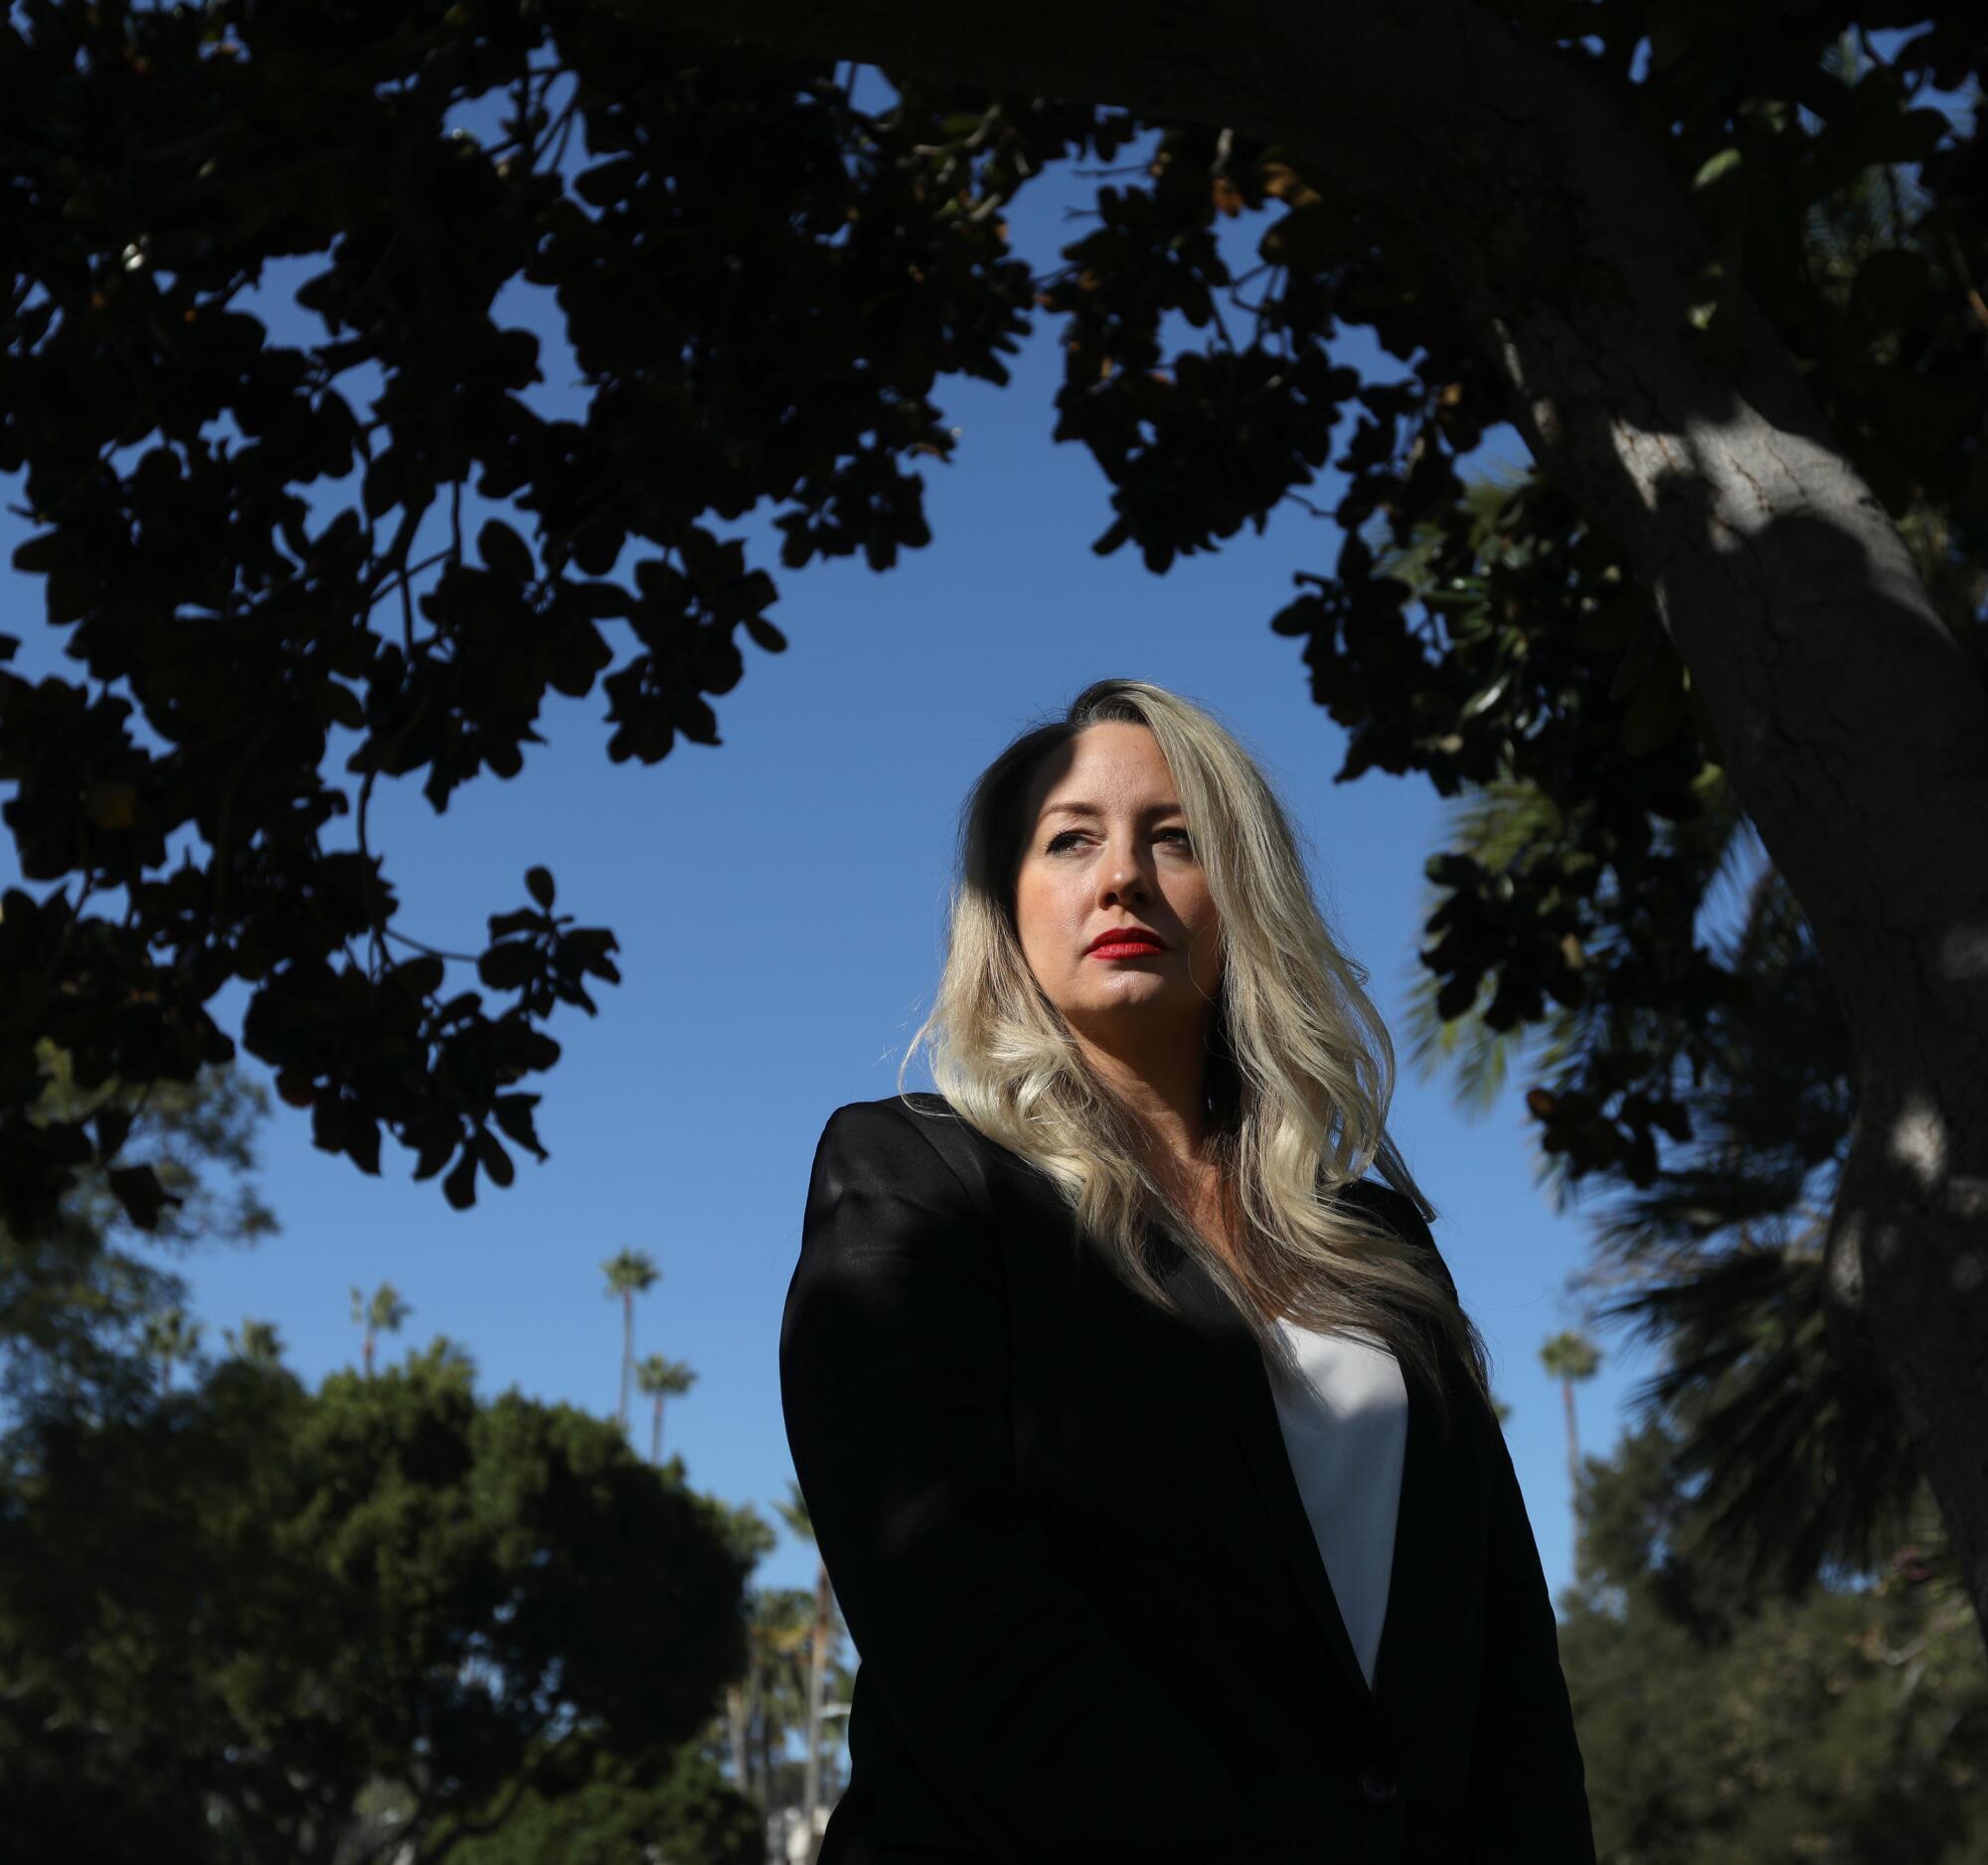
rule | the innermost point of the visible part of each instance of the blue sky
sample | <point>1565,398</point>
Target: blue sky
<point>779,904</point>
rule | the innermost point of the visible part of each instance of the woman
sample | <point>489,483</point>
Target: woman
<point>1146,1444</point>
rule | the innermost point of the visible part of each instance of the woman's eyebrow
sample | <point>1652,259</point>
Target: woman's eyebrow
<point>1092,810</point>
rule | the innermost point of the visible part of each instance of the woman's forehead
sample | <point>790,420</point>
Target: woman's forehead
<point>1106,768</point>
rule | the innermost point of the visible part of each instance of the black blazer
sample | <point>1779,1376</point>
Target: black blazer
<point>1093,1622</point>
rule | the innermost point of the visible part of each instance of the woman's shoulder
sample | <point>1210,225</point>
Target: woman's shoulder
<point>890,1114</point>
<point>908,1132</point>
<point>1403,1216</point>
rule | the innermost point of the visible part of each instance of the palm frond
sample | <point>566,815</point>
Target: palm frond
<point>1795,1468</point>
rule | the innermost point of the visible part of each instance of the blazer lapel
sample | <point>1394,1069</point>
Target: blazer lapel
<point>1436,1521</point>
<point>1243,1393</point>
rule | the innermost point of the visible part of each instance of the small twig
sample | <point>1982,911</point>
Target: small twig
<point>434,951</point>
<point>69,926</point>
<point>1221,324</point>
<point>222,828</point>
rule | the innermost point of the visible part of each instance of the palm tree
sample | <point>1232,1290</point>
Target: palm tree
<point>795,1512</point>
<point>1792,1452</point>
<point>1788,1441</point>
<point>752,1537</point>
<point>257,1343</point>
<point>1570,1357</point>
<point>778,1633</point>
<point>170,1336</point>
<point>660,1379</point>
<point>630,1273</point>
<point>384,1313</point>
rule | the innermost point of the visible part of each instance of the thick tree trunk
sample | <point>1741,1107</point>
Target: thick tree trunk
<point>1853,724</point>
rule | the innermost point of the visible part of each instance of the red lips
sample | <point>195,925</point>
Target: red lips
<point>1128,935</point>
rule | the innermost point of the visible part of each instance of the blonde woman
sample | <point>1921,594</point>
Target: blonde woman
<point>1146,1443</point>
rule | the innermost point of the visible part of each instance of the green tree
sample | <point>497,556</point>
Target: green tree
<point>779,1644</point>
<point>824,1636</point>
<point>257,1342</point>
<point>76,1303</point>
<point>281,1601</point>
<point>1570,1357</point>
<point>381,1313</point>
<point>680,1812</point>
<point>1803,1463</point>
<point>659,1379</point>
<point>171,1336</point>
<point>1712,582</point>
<point>1723,1726</point>
<point>629,1273</point>
<point>753,1538</point>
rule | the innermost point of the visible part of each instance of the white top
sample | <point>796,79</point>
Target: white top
<point>1346,1431</point>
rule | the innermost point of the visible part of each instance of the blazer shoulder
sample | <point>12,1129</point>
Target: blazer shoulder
<point>923,1120</point>
<point>1397,1210</point>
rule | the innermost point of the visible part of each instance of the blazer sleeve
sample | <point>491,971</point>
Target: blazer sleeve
<point>1051,1740</point>
<point>1528,1787</point>
<point>1528,1795</point>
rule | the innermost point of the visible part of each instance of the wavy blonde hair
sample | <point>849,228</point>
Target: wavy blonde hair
<point>1300,1067</point>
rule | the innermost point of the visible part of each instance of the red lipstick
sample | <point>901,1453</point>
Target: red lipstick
<point>1126,942</point>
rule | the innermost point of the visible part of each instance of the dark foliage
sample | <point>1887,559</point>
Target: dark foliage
<point>253,541</point>
<point>233,1613</point>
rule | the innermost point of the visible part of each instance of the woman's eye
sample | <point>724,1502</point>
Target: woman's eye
<point>1056,844</point>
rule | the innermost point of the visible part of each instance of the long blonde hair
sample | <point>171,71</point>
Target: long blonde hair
<point>1300,1067</point>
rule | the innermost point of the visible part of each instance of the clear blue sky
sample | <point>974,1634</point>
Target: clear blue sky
<point>779,904</point>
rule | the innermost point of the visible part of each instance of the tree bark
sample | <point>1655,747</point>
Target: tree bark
<point>1852,722</point>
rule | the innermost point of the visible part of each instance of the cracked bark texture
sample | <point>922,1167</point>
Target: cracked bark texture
<point>1853,724</point>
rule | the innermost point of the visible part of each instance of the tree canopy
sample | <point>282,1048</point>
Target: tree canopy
<point>241,1621</point>
<point>228,1618</point>
<point>176,457</point>
<point>1721,1725</point>
<point>1721,268</point>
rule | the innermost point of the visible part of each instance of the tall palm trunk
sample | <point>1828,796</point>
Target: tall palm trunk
<point>756,1777</point>
<point>1573,1439</point>
<point>735,1725</point>
<point>656,1433</point>
<point>627,1352</point>
<point>817,1681</point>
<point>762,1736</point>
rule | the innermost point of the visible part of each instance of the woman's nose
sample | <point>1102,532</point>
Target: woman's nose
<point>1123,876</point>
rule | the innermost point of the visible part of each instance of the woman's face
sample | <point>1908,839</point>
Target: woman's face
<point>1107,846</point>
